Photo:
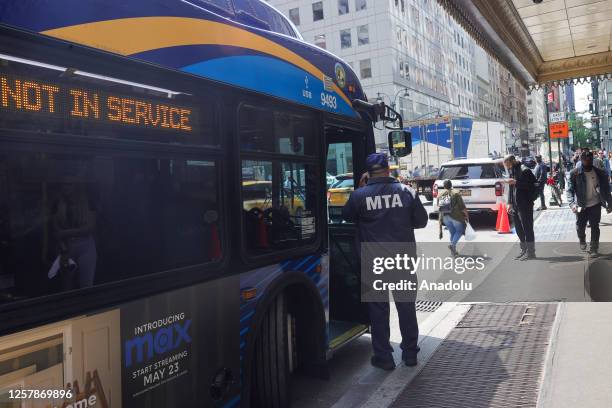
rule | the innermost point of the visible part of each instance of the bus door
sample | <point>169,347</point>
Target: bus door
<point>344,166</point>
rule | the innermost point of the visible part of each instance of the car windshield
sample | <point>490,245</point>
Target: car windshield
<point>343,183</point>
<point>468,171</point>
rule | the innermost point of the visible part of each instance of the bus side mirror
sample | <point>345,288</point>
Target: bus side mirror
<point>400,143</point>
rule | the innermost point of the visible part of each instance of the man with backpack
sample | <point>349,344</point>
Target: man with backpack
<point>523,192</point>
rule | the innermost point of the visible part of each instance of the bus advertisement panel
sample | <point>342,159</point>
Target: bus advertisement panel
<point>147,353</point>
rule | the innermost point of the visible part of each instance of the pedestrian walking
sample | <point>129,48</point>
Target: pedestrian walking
<point>523,192</point>
<point>610,162</point>
<point>588,191</point>
<point>597,162</point>
<point>387,211</point>
<point>541,175</point>
<point>605,161</point>
<point>453,214</point>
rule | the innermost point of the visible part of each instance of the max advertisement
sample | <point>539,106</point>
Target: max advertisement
<point>148,353</point>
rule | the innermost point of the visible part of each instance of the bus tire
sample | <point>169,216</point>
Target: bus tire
<point>270,374</point>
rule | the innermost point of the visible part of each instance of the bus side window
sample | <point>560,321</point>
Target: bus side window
<point>278,204</point>
<point>70,221</point>
<point>280,185</point>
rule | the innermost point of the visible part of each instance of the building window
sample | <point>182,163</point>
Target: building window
<point>319,41</point>
<point>345,38</point>
<point>317,11</point>
<point>360,5</point>
<point>343,7</point>
<point>365,68</point>
<point>363,35</point>
<point>294,16</point>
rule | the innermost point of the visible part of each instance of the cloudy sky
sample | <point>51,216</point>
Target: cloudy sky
<point>581,93</point>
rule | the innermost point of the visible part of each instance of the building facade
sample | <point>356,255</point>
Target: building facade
<point>414,56</point>
<point>605,113</point>
<point>536,118</point>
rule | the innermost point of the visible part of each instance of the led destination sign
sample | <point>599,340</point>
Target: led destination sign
<point>76,103</point>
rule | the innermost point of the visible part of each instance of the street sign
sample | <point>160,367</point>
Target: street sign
<point>556,117</point>
<point>559,130</point>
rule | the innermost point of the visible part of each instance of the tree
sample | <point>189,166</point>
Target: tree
<point>582,134</point>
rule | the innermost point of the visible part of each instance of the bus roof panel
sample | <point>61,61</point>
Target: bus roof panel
<point>215,39</point>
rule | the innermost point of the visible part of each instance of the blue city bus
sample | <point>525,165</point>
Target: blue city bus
<point>164,238</point>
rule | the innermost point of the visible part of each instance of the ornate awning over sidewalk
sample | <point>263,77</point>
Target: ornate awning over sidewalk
<point>552,41</point>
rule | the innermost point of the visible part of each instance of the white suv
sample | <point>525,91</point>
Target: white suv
<point>479,181</point>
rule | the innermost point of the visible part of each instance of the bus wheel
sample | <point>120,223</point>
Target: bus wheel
<point>270,374</point>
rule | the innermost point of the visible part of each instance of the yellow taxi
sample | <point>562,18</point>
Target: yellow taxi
<point>258,194</point>
<point>339,192</point>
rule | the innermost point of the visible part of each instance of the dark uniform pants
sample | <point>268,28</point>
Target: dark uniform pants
<point>379,317</point>
<point>593,216</point>
<point>523,222</point>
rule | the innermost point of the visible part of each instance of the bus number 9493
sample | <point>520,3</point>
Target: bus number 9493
<point>329,100</point>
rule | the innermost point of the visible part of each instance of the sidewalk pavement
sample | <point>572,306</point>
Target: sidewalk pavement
<point>579,368</point>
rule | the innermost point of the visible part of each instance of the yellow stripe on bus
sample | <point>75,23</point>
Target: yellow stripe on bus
<point>128,36</point>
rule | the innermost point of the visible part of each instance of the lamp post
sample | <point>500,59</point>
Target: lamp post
<point>392,102</point>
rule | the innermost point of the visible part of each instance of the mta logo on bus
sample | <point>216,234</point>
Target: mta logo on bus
<point>154,343</point>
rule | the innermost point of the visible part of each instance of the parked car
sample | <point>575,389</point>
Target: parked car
<point>339,192</point>
<point>479,181</point>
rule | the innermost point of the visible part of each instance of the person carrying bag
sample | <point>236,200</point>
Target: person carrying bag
<point>453,214</point>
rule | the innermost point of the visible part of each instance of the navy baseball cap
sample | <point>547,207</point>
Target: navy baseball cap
<point>377,161</point>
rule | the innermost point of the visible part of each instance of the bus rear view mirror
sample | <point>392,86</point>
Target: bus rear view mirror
<point>400,143</point>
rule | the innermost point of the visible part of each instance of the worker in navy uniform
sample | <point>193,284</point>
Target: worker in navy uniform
<point>393,221</point>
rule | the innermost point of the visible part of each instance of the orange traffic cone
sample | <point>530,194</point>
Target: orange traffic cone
<point>499,214</point>
<point>262,233</point>
<point>215,245</point>
<point>504,225</point>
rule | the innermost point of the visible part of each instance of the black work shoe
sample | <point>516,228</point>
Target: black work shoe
<point>583,246</point>
<point>528,257</point>
<point>386,365</point>
<point>410,359</point>
<point>521,254</point>
<point>594,251</point>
